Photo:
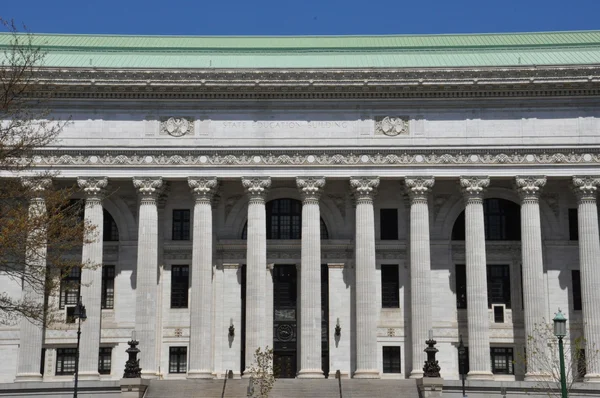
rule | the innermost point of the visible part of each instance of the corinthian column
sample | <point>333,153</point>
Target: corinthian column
<point>585,189</point>
<point>477,302</point>
<point>310,278</point>
<point>256,263</point>
<point>203,190</point>
<point>31,335</point>
<point>367,313</point>
<point>420,269</point>
<point>147,269</point>
<point>91,276</point>
<point>529,188</point>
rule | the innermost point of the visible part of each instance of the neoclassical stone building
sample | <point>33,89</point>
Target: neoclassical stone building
<point>335,198</point>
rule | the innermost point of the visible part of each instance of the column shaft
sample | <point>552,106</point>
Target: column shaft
<point>31,336</point>
<point>310,279</point>
<point>147,275</point>
<point>533,270</point>
<point>201,295</point>
<point>256,263</point>
<point>589,253</point>
<point>91,277</point>
<point>367,312</point>
<point>476,266</point>
<point>420,269</point>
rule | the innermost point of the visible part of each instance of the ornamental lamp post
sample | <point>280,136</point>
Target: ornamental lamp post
<point>462,357</point>
<point>560,331</point>
<point>80,314</point>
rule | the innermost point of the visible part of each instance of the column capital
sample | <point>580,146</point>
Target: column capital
<point>93,187</point>
<point>585,187</point>
<point>148,187</point>
<point>529,187</point>
<point>473,187</point>
<point>36,184</point>
<point>310,187</point>
<point>418,187</point>
<point>203,188</point>
<point>256,187</point>
<point>364,188</point>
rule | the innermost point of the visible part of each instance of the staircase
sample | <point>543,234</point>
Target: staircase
<point>285,388</point>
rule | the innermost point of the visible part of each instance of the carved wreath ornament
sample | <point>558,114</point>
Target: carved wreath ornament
<point>391,126</point>
<point>176,126</point>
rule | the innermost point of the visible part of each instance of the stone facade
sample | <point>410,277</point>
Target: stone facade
<point>226,160</point>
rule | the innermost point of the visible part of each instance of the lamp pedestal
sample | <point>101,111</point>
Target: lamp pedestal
<point>430,387</point>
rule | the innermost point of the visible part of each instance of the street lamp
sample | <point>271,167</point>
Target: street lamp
<point>462,358</point>
<point>560,331</point>
<point>80,314</point>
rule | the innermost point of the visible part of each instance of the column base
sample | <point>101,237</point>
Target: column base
<point>480,375</point>
<point>89,376</point>
<point>246,374</point>
<point>538,377</point>
<point>28,377</point>
<point>366,374</point>
<point>200,374</point>
<point>592,378</point>
<point>416,374</point>
<point>310,374</point>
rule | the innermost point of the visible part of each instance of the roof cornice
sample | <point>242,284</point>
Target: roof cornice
<point>527,81</point>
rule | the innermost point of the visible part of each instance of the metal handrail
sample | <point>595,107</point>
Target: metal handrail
<point>338,375</point>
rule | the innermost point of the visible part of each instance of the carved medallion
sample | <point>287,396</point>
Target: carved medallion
<point>285,332</point>
<point>176,126</point>
<point>391,126</point>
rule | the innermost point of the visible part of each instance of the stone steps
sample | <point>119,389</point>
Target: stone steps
<point>285,388</point>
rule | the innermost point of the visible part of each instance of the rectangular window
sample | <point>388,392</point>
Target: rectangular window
<point>498,281</point>
<point>388,221</point>
<point>104,360</point>
<point>65,361</point>
<point>181,224</point>
<point>391,360</point>
<point>179,286</point>
<point>390,286</point>
<point>461,286</point>
<point>177,359</point>
<point>108,287</point>
<point>573,225</point>
<point>69,287</point>
<point>502,360</point>
<point>498,314</point>
<point>576,284</point>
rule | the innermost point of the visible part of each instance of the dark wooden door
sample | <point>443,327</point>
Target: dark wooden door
<point>285,324</point>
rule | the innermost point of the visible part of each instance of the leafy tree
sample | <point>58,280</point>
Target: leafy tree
<point>262,377</point>
<point>542,354</point>
<point>41,229</point>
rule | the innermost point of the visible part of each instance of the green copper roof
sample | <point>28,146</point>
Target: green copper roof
<point>418,51</point>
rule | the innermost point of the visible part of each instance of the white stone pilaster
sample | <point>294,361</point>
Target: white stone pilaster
<point>418,189</point>
<point>367,313</point>
<point>200,355</point>
<point>91,276</point>
<point>585,188</point>
<point>310,278</point>
<point>31,337</point>
<point>340,306</point>
<point>476,266</point>
<point>529,189</point>
<point>147,274</point>
<point>256,262</point>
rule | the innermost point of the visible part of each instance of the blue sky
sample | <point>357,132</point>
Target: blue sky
<point>304,17</point>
